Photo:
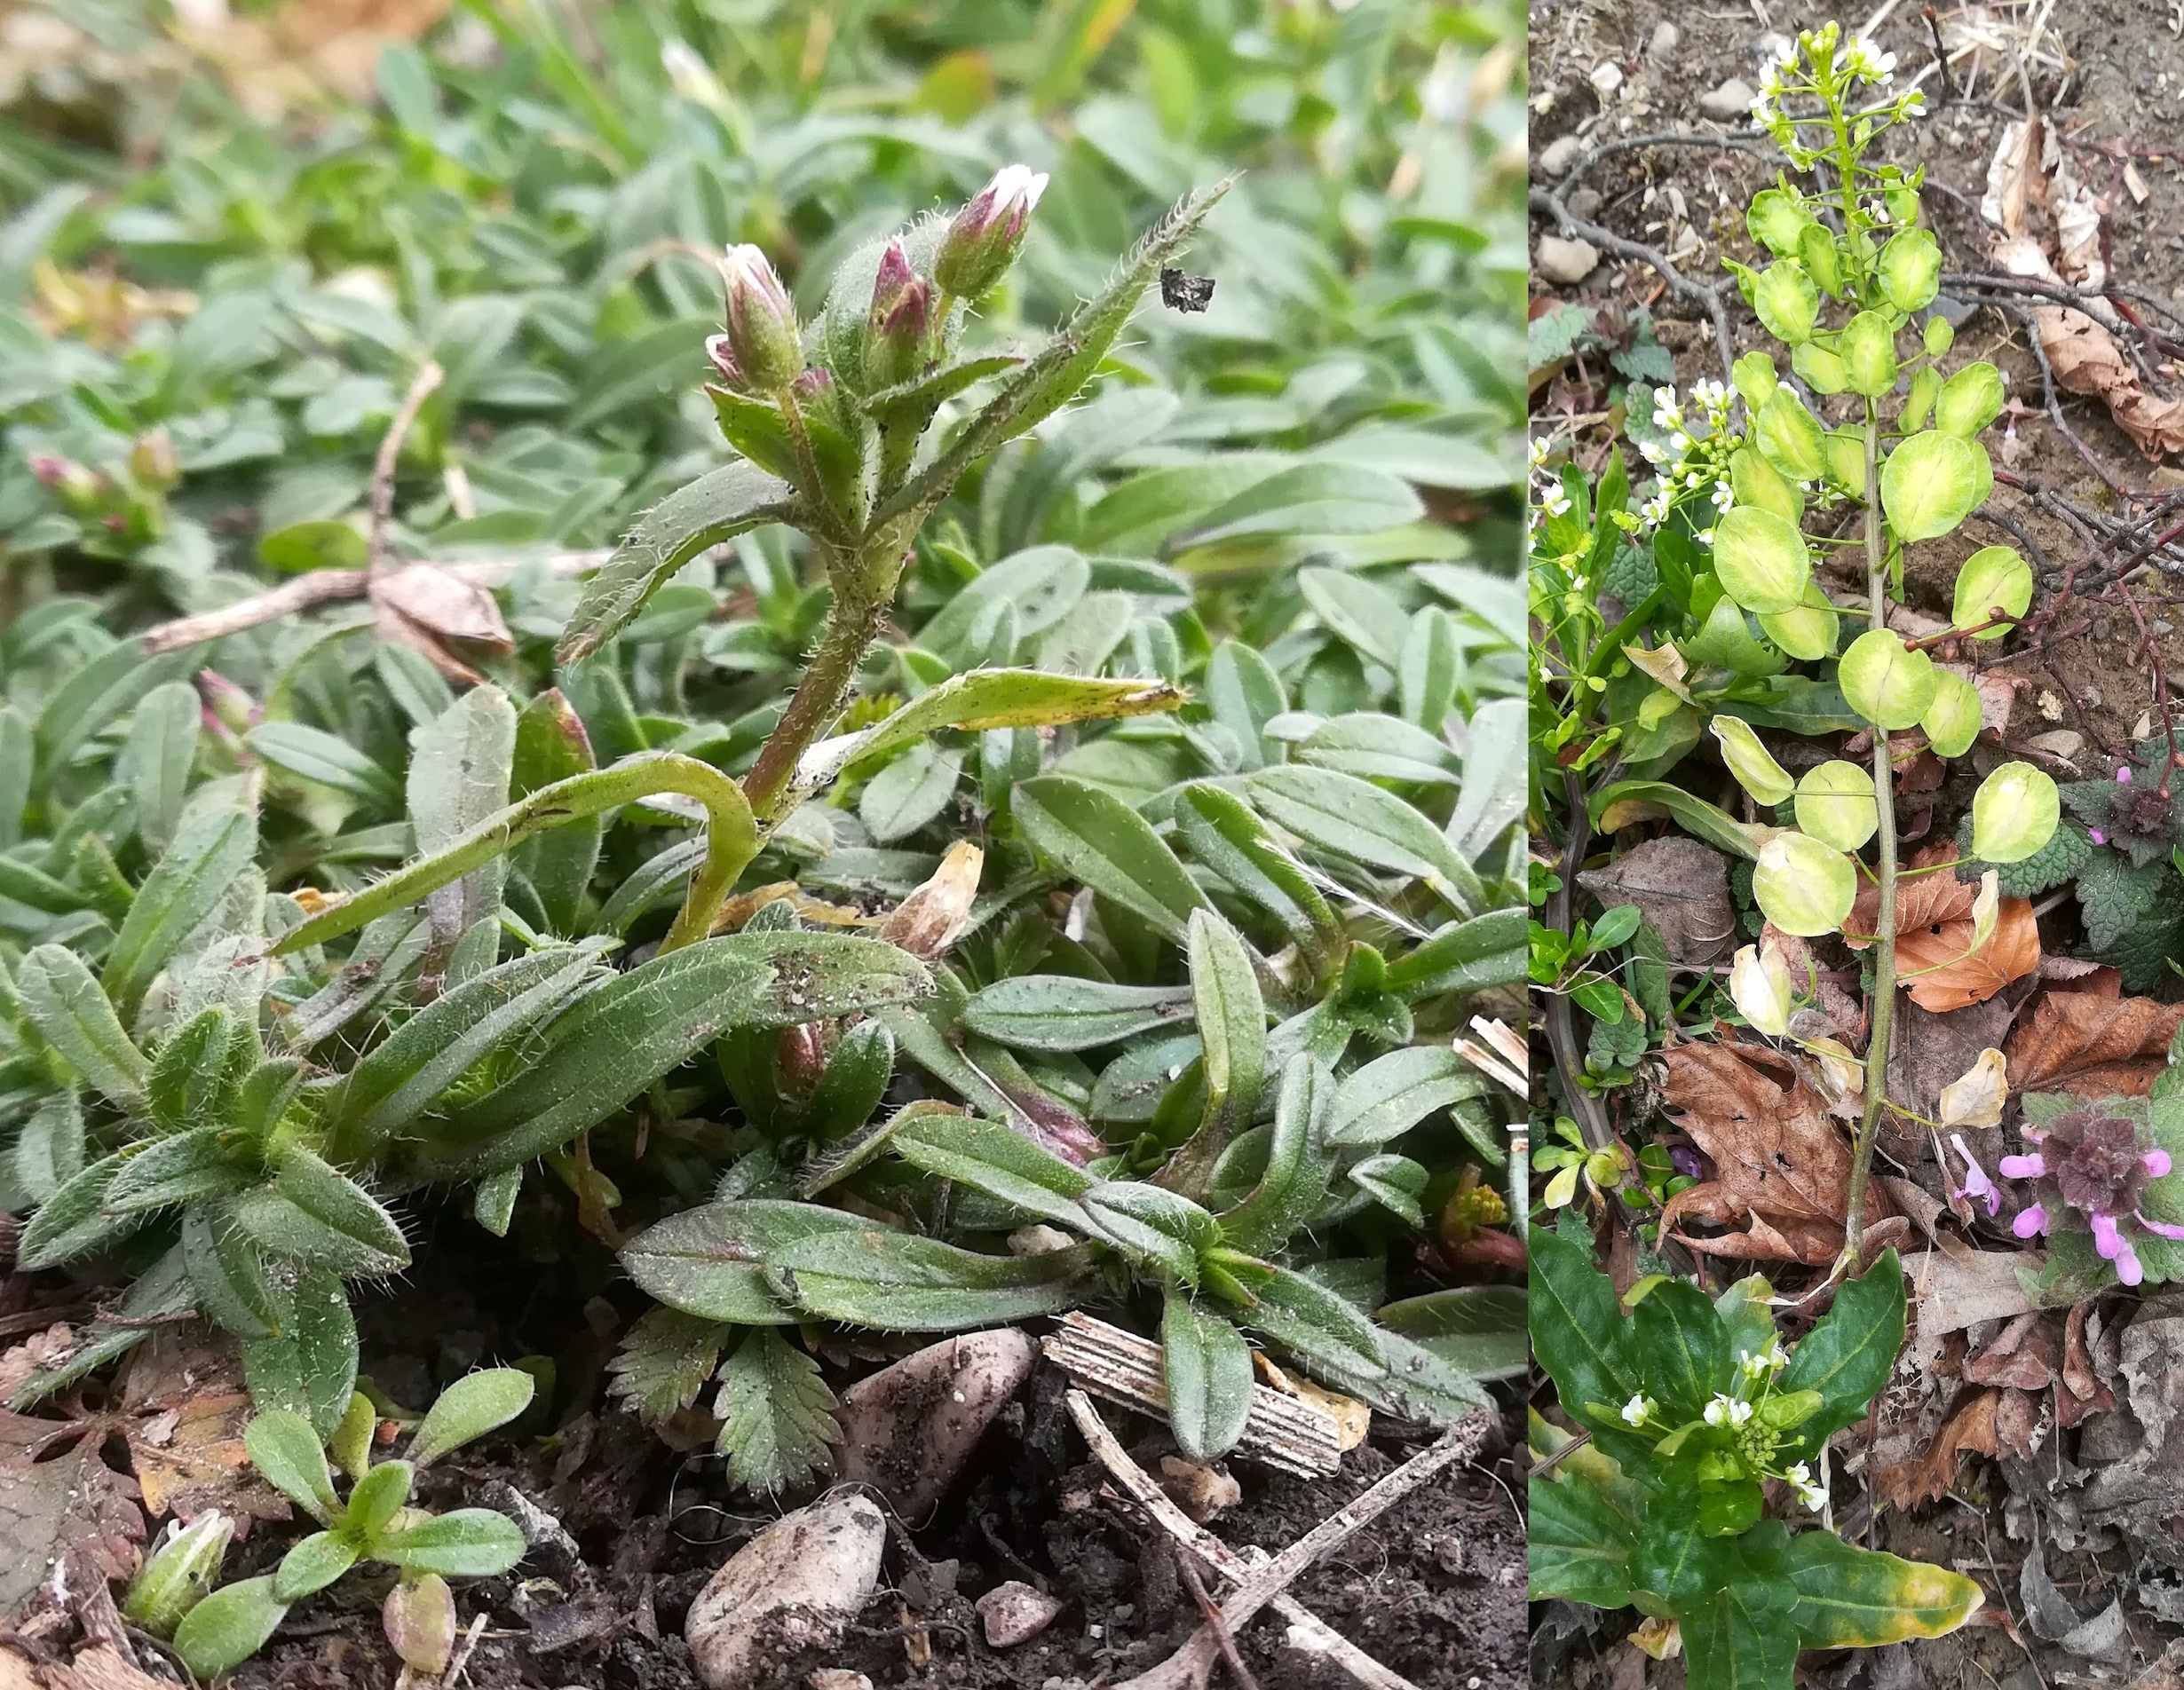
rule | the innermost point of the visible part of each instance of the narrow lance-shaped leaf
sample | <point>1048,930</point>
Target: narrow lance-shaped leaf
<point>731,842</point>
<point>993,1158</point>
<point>403,1075</point>
<point>1231,1017</point>
<point>707,1262</point>
<point>74,1014</point>
<point>1207,1367</point>
<point>1298,1163</point>
<point>466,1411</point>
<point>1354,819</point>
<point>984,699</point>
<point>897,1283</point>
<point>715,507</point>
<point>1061,1013</point>
<point>1107,845</point>
<point>1853,1598</point>
<point>309,1367</point>
<point>625,1034</point>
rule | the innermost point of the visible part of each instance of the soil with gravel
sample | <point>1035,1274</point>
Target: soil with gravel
<point>1434,1589</point>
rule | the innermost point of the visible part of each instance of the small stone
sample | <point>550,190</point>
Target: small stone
<point>1561,155</point>
<point>552,1551</point>
<point>1663,43</point>
<point>798,1581</point>
<point>1565,262</point>
<point>1733,99</point>
<point>911,1429</point>
<point>838,1679</point>
<point>2161,627</point>
<point>1201,1488</point>
<point>1607,77</point>
<point>1015,1613</point>
<point>1584,203</point>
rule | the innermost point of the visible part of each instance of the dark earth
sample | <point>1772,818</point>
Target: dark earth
<point>1433,1588</point>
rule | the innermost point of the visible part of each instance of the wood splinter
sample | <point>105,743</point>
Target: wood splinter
<point>1282,1431</point>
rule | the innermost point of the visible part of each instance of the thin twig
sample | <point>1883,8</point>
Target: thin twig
<point>421,387</point>
<point>1568,223</point>
<point>1223,1638</point>
<point>1189,1664</point>
<point>331,586</point>
<point>1314,1633</point>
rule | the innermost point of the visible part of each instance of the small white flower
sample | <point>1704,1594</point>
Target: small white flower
<point>1724,496</point>
<point>1538,453</point>
<point>1766,1361</point>
<point>1727,1411</point>
<point>1651,451</point>
<point>1809,1493</point>
<point>1557,503</point>
<point>1638,1411</point>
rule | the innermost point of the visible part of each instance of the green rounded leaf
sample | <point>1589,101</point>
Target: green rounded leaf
<point>1777,219</point>
<point>1790,436</point>
<point>1926,387</point>
<point>2014,813</point>
<point>1845,455</point>
<point>1805,887</point>
<point>1819,368</point>
<point>1910,269</point>
<point>1755,376</point>
<point>229,1627</point>
<point>1761,560</point>
<point>1969,401</point>
<point>472,1406</point>
<point>1755,481</point>
<point>1750,761</point>
<point>1952,720</point>
<point>1931,483</point>
<point>1994,584</point>
<point>1885,680</point>
<point>471,1543</point>
<point>1868,351</point>
<point>315,1562</point>
<point>1807,632</point>
<point>1835,805</point>
<point>1787,302</point>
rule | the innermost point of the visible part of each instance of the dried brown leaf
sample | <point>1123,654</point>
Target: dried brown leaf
<point>2092,1046</point>
<point>1969,1430</point>
<point>1680,886</point>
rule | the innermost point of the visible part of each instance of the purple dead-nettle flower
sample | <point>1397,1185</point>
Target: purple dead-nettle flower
<point>762,336</point>
<point>1977,1186</point>
<point>2123,775</point>
<point>1687,1162</point>
<point>2094,1163</point>
<point>982,242</point>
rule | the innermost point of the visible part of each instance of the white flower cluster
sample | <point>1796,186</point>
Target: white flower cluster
<point>1799,1475</point>
<point>1866,63</point>
<point>1727,1411</point>
<point>1766,1361</point>
<point>1545,488</point>
<point>1697,455</point>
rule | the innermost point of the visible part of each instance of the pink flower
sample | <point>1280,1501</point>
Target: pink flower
<point>2123,776</point>
<point>1976,1184</point>
<point>2096,835</point>
<point>2030,1221</point>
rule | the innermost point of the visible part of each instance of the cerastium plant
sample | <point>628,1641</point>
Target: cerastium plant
<point>375,1522</point>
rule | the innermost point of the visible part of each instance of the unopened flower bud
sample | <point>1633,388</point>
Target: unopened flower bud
<point>899,330</point>
<point>982,242</point>
<point>179,1573</point>
<point>152,462</point>
<point>723,358</point>
<point>77,486</point>
<point>761,334</point>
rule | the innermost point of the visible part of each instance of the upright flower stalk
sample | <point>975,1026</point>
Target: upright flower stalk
<point>828,416</point>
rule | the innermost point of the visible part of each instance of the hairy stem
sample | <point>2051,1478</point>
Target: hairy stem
<point>1885,870</point>
<point>864,587</point>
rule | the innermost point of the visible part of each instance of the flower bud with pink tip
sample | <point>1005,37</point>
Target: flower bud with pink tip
<point>763,344</point>
<point>984,239</point>
<point>899,330</point>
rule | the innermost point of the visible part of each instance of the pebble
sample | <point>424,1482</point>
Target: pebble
<point>1201,1488</point>
<point>1565,262</point>
<point>1015,1613</point>
<point>911,1429</point>
<point>1584,203</point>
<point>838,1679</point>
<point>1663,43</point>
<point>1561,155</point>
<point>2161,628</point>
<point>552,1551</point>
<point>808,1574</point>
<point>1732,98</point>
<point>1607,77</point>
